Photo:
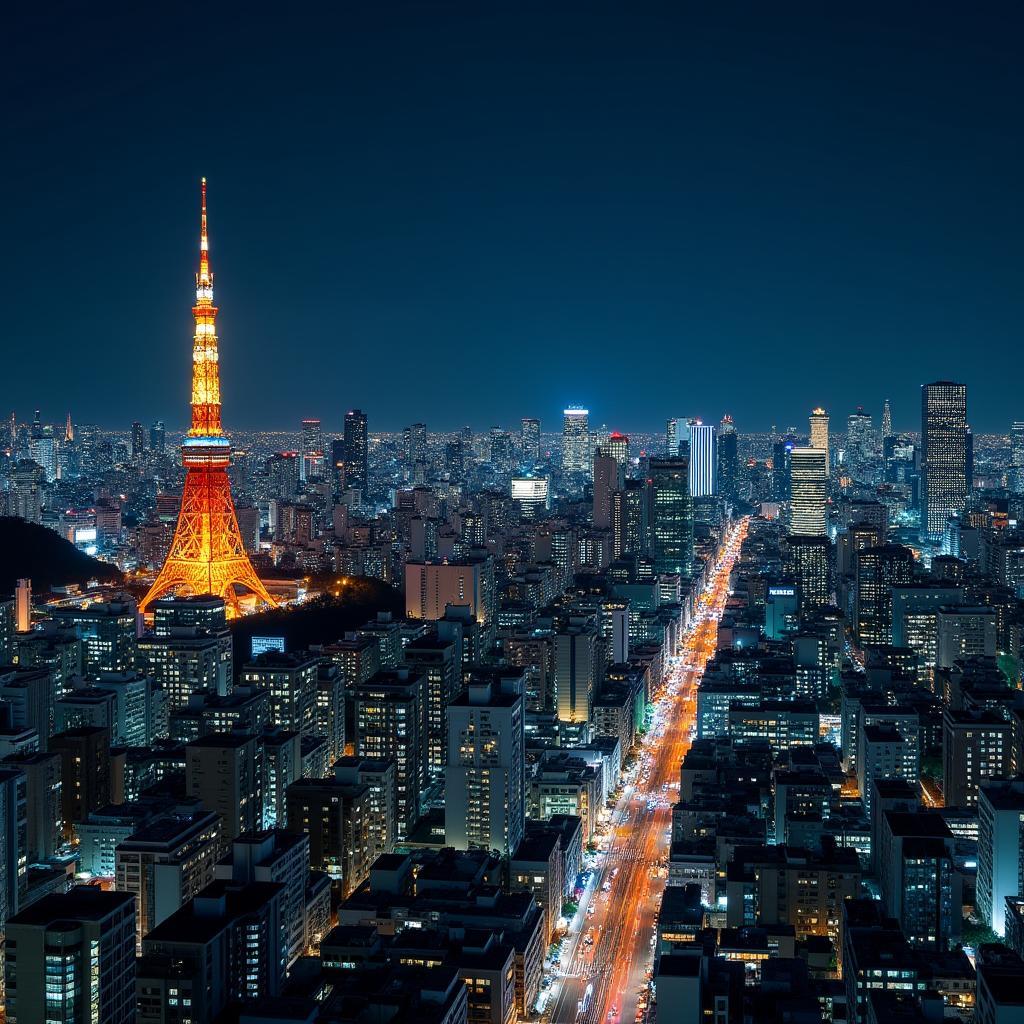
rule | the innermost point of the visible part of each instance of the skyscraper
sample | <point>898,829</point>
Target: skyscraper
<point>530,439</point>
<point>138,442</point>
<point>671,516</point>
<point>818,421</point>
<point>630,519</point>
<point>877,570</point>
<point>157,437</point>
<point>338,464</point>
<point>356,450</point>
<point>808,561</point>
<point>207,554</point>
<point>808,492</point>
<point>312,465</point>
<point>676,432</point>
<point>886,420</point>
<point>728,458</point>
<point>42,448</point>
<point>576,655</point>
<point>415,441</point>
<point>703,459</point>
<point>617,446</point>
<point>608,478</point>
<point>575,441</point>
<point>943,454</point>
<point>1017,443</point>
<point>858,440</point>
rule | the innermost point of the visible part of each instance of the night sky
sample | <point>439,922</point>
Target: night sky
<point>472,213</point>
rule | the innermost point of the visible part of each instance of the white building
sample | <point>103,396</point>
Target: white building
<point>485,791</point>
<point>808,492</point>
<point>703,459</point>
<point>576,448</point>
<point>1000,849</point>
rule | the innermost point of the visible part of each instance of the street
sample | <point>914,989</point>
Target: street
<point>607,957</point>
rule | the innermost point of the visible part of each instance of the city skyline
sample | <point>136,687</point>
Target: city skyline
<point>557,197</point>
<point>601,600</point>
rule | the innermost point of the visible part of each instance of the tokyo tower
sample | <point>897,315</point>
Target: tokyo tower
<point>207,555</point>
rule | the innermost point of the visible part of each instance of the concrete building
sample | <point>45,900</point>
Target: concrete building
<point>71,958</point>
<point>1000,849</point>
<point>485,792</point>
<point>223,772</point>
<point>165,863</point>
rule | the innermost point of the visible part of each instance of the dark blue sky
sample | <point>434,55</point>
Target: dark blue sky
<point>473,213</point>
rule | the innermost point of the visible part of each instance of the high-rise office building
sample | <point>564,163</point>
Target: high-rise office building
<point>501,451</point>
<point>818,422</point>
<point>337,465</point>
<point>312,465</point>
<point>671,516</point>
<point>107,632</point>
<point>877,570</point>
<point>84,771</point>
<point>886,420</point>
<point>859,443</point>
<point>438,661</point>
<point>630,531</point>
<point>158,438</point>
<point>944,482</point>
<point>1017,443</point>
<point>337,820</point>
<point>575,672</point>
<point>808,562</point>
<point>608,478</point>
<point>530,440</point>
<point>71,959</point>
<point>677,437</point>
<point>976,746</point>
<point>782,466</point>
<point>224,772</point>
<point>485,789</point>
<point>290,679</point>
<point>414,440</point>
<point>808,487</point>
<point>1000,849</point>
<point>164,863</point>
<point>575,441</point>
<point>390,723</point>
<point>14,853</point>
<point>617,446</point>
<point>138,442</point>
<point>703,459</point>
<point>728,458</point>
<point>28,491</point>
<point>356,449</point>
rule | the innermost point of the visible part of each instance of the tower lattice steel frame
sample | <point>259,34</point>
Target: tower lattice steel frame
<point>207,555</point>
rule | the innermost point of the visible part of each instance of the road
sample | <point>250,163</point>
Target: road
<point>610,951</point>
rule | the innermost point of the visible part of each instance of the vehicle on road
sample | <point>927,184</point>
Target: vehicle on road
<point>584,1004</point>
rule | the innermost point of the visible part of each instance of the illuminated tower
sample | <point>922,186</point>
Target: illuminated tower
<point>703,459</point>
<point>819,432</point>
<point>207,554</point>
<point>576,452</point>
<point>944,454</point>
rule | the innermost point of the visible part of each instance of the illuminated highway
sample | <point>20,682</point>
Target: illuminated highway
<point>607,957</point>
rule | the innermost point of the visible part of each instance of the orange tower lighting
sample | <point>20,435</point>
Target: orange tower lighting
<point>207,555</point>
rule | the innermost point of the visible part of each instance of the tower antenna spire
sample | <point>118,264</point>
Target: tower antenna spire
<point>208,554</point>
<point>205,278</point>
